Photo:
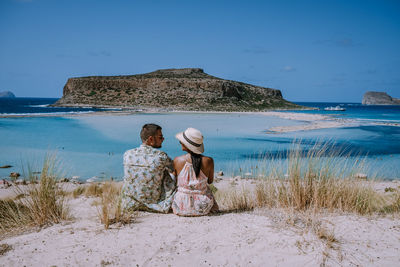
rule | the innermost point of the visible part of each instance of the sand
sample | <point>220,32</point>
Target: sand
<point>258,238</point>
<point>309,122</point>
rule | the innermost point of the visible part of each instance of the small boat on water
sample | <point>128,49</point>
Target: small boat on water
<point>337,108</point>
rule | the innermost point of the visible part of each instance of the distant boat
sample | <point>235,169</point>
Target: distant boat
<point>337,108</point>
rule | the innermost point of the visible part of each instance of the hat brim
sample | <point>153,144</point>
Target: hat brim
<point>194,149</point>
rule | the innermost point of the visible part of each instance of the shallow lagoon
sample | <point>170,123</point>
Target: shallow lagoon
<point>93,145</point>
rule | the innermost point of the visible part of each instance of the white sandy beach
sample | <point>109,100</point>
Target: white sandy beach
<point>314,122</point>
<point>310,121</point>
<point>258,238</point>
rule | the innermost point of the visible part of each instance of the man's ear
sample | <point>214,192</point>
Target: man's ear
<point>150,140</point>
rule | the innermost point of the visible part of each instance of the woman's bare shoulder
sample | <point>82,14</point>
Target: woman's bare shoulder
<point>207,160</point>
<point>180,159</point>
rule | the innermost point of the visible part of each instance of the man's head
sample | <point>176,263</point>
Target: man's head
<point>151,135</point>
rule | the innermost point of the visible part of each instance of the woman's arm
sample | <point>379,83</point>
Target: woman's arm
<point>175,166</point>
<point>210,175</point>
<point>179,162</point>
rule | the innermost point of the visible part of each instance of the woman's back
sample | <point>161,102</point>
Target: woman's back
<point>207,165</point>
<point>187,179</point>
<point>193,197</point>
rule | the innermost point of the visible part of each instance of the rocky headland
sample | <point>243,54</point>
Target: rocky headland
<point>7,94</point>
<point>171,89</point>
<point>379,98</point>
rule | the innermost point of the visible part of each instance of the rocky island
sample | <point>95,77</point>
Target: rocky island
<point>379,98</point>
<point>7,94</point>
<point>171,89</point>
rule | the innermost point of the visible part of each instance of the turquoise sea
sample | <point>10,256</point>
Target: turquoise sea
<point>89,146</point>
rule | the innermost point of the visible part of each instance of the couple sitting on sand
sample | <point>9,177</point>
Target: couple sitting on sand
<point>149,175</point>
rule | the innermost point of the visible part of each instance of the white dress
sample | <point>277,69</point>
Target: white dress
<point>193,198</point>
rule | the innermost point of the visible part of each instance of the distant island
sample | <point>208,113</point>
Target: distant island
<point>7,94</point>
<point>171,89</point>
<point>379,98</point>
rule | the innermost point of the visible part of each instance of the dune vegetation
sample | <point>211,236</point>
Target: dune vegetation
<point>39,203</point>
<point>309,181</point>
<point>316,179</point>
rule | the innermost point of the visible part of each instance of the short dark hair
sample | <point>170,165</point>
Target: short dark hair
<point>149,129</point>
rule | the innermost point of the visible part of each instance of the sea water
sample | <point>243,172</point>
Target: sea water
<point>28,106</point>
<point>88,146</point>
<point>357,111</point>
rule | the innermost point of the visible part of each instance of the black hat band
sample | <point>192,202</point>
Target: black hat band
<point>190,141</point>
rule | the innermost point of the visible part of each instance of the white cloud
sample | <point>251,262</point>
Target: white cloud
<point>288,69</point>
<point>99,53</point>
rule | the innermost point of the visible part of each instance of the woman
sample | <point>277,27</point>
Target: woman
<point>194,172</point>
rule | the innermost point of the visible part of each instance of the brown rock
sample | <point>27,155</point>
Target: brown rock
<point>5,166</point>
<point>177,89</point>
<point>4,183</point>
<point>379,98</point>
<point>15,175</point>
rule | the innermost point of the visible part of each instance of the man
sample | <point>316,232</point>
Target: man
<point>147,183</point>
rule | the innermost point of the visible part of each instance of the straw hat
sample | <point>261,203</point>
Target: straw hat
<point>192,139</point>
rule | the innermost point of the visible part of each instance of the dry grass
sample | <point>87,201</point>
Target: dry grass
<point>392,203</point>
<point>43,204</point>
<point>109,209</point>
<point>327,235</point>
<point>90,190</point>
<point>94,190</point>
<point>13,215</point>
<point>108,202</point>
<point>78,191</point>
<point>315,179</point>
<point>4,248</point>
<point>318,193</point>
<point>235,200</point>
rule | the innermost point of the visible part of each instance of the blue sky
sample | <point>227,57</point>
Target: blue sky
<point>310,50</point>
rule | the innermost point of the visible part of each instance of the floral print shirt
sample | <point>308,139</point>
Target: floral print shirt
<point>147,182</point>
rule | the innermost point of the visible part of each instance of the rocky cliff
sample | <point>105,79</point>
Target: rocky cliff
<point>7,94</point>
<point>171,89</point>
<point>379,98</point>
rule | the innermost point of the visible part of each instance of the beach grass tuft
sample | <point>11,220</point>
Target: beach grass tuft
<point>89,190</point>
<point>317,178</point>
<point>110,209</point>
<point>4,248</point>
<point>93,190</point>
<point>235,200</point>
<point>77,192</point>
<point>43,203</point>
<point>392,203</point>
<point>13,214</point>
